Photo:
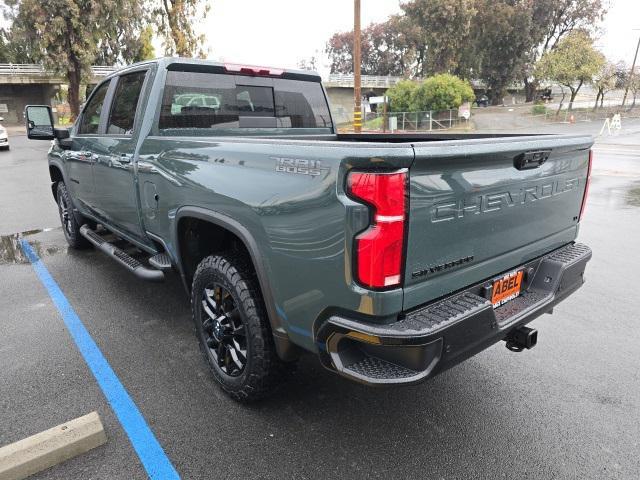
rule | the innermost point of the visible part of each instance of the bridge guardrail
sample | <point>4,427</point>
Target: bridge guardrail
<point>35,69</point>
<point>367,81</point>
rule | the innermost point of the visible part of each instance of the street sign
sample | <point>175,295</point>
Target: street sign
<point>464,110</point>
<point>376,100</point>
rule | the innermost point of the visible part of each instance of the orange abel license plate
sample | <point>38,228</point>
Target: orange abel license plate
<point>506,288</point>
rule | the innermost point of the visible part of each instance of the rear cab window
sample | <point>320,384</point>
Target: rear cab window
<point>203,103</point>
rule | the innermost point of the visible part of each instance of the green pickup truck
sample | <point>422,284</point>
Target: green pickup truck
<point>390,257</point>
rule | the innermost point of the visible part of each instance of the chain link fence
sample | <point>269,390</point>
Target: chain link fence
<point>414,121</point>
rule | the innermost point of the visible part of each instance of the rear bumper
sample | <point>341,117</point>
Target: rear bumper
<point>432,338</point>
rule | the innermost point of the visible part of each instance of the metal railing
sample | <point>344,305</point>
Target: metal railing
<point>414,121</point>
<point>368,81</point>
<point>36,69</point>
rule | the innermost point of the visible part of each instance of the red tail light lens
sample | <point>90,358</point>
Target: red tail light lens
<point>378,250</point>
<point>586,187</point>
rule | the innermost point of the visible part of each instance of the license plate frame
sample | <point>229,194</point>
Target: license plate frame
<point>506,288</point>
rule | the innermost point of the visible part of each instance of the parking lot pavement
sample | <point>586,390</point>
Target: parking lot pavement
<point>566,409</point>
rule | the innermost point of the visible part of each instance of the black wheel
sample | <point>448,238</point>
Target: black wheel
<point>233,329</point>
<point>70,226</point>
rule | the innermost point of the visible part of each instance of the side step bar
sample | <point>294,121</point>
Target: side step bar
<point>121,257</point>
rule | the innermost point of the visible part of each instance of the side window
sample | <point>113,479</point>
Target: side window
<point>90,120</point>
<point>125,101</point>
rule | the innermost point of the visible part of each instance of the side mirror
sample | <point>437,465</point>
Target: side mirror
<point>39,122</point>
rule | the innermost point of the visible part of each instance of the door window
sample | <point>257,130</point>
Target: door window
<point>125,100</point>
<point>90,120</point>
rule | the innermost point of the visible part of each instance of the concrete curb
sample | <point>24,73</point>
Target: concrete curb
<point>51,447</point>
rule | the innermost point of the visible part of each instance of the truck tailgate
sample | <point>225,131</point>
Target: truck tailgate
<point>474,212</point>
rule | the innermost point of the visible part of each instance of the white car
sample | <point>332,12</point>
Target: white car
<point>4,138</point>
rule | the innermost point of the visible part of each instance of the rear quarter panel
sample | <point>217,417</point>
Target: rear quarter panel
<point>302,224</point>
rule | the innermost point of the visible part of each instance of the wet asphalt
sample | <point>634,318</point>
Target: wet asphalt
<point>569,408</point>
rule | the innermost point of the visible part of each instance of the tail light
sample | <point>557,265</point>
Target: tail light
<point>586,187</point>
<point>379,249</point>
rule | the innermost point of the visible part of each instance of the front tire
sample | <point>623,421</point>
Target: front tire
<point>70,226</point>
<point>233,329</point>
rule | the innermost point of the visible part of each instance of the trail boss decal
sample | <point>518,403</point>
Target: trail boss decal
<point>301,166</point>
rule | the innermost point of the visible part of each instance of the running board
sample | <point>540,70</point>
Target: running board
<point>121,257</point>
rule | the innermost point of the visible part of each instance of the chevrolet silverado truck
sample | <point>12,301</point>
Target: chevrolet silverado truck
<point>390,257</point>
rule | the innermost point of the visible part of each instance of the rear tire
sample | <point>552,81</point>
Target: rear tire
<point>70,226</point>
<point>233,329</point>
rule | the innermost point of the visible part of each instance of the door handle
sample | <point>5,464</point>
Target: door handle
<point>85,156</point>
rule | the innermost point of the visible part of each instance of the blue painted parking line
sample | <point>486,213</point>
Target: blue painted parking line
<point>151,454</point>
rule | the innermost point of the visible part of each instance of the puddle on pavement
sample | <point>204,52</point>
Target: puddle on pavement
<point>11,251</point>
<point>633,196</point>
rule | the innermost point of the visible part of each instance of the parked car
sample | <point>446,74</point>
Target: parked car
<point>482,101</point>
<point>390,257</point>
<point>4,137</point>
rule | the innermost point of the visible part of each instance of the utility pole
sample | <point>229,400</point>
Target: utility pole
<point>633,69</point>
<point>357,97</point>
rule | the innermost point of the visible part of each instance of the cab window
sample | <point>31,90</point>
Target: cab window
<point>90,120</point>
<point>125,100</point>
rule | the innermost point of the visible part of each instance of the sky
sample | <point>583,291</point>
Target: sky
<point>283,32</point>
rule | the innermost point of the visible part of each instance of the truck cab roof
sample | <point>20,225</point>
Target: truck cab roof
<point>196,64</point>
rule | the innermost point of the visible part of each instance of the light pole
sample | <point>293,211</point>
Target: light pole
<point>357,106</point>
<point>633,68</point>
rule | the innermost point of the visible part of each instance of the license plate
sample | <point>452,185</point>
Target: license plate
<point>506,288</point>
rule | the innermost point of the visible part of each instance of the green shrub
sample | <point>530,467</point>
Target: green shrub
<point>440,92</point>
<point>401,96</point>
<point>539,109</point>
<point>443,92</point>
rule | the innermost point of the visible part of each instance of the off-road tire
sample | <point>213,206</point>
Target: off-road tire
<point>70,226</point>
<point>263,370</point>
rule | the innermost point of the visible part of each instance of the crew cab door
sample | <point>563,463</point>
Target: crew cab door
<point>80,156</point>
<point>116,194</point>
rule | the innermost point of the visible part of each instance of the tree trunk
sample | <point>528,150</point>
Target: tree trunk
<point>602,100</point>
<point>574,92</point>
<point>597,99</point>
<point>530,89</point>
<point>73,77</point>
<point>561,101</point>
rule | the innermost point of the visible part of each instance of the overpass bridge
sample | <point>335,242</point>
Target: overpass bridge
<point>22,84</point>
<point>340,91</point>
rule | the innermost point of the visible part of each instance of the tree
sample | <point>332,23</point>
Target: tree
<point>401,96</point>
<point>69,35</point>
<point>572,63</point>
<point>604,81</point>
<point>384,50</point>
<point>634,87</point>
<point>309,63</point>
<point>175,20</point>
<point>502,39</point>
<point>553,20</point>
<point>440,92</point>
<point>145,50</point>
<point>440,29</point>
